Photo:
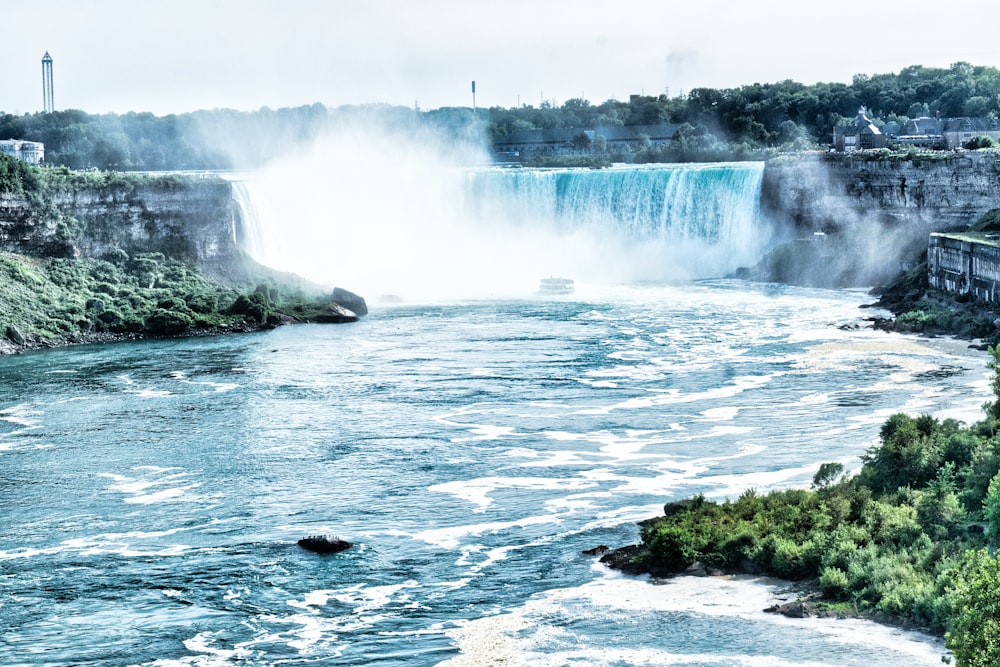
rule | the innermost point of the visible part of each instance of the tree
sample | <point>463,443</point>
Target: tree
<point>993,407</point>
<point>827,474</point>
<point>975,634</point>
<point>581,142</point>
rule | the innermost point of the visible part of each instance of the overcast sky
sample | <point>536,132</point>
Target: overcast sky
<point>182,55</point>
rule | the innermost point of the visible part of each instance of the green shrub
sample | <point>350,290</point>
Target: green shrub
<point>167,323</point>
<point>834,583</point>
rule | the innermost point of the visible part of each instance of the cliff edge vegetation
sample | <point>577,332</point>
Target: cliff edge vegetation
<point>57,296</point>
<point>908,539</point>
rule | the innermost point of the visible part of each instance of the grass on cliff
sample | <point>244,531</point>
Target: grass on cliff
<point>51,300</point>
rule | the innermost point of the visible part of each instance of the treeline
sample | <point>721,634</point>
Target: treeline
<point>785,114</point>
<point>717,123</point>
<point>909,538</point>
<point>221,138</point>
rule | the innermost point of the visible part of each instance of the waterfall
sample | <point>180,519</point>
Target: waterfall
<point>416,226</point>
<point>711,210</point>
<point>250,234</point>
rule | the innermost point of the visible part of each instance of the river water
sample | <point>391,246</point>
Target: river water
<point>152,492</point>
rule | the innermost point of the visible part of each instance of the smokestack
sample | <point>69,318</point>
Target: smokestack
<point>473,97</point>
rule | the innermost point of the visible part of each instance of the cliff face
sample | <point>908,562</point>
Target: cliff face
<point>859,219</point>
<point>189,219</point>
<point>831,193</point>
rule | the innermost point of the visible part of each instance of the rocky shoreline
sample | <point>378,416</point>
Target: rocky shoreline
<point>17,343</point>
<point>793,599</point>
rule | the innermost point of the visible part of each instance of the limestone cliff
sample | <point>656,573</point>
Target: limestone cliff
<point>187,218</point>
<point>95,257</point>
<point>855,219</point>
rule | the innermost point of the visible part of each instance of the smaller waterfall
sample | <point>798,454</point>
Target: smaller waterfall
<point>250,234</point>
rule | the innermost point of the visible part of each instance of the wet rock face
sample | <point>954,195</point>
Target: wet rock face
<point>853,221</point>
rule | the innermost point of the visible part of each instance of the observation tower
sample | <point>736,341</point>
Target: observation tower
<point>48,102</point>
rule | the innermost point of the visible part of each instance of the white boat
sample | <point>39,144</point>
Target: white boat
<point>556,286</point>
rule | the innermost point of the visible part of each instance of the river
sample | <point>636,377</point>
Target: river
<point>152,492</point>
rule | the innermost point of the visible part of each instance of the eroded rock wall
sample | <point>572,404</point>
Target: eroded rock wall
<point>829,193</point>
<point>851,221</point>
<point>190,219</point>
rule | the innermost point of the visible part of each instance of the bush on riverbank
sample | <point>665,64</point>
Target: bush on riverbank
<point>902,540</point>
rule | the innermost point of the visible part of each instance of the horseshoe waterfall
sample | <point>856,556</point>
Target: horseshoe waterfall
<point>448,232</point>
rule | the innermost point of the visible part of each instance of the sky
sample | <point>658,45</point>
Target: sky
<point>184,55</point>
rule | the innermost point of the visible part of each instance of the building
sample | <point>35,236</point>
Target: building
<point>32,152</point>
<point>965,263</point>
<point>862,134</point>
<point>927,133</point>
<point>923,133</point>
<point>958,131</point>
<point>524,144</point>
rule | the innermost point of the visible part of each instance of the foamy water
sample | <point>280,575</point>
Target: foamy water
<point>153,492</point>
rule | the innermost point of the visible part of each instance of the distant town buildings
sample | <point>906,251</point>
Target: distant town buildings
<point>48,97</point>
<point>862,134</point>
<point>32,152</point>
<point>929,133</point>
<point>524,144</point>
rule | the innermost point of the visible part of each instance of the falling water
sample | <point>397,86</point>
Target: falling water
<point>428,231</point>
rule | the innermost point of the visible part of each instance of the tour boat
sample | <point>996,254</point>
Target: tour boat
<point>556,286</point>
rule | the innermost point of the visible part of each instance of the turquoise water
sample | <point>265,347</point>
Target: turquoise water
<point>152,492</point>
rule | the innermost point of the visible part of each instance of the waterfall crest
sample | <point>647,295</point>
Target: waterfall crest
<point>431,229</point>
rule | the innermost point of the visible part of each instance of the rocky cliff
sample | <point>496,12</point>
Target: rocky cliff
<point>98,257</point>
<point>187,218</point>
<point>852,220</point>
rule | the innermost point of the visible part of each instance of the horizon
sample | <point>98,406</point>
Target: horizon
<point>302,52</point>
<point>378,103</point>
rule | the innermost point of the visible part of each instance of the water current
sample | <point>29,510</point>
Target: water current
<point>151,493</point>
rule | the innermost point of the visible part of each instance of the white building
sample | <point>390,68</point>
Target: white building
<point>32,152</point>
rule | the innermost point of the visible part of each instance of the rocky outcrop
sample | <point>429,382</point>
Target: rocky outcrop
<point>324,544</point>
<point>189,219</point>
<point>851,220</point>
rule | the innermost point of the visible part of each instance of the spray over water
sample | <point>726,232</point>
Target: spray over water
<point>389,212</point>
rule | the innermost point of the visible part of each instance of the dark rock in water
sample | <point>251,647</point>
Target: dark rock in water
<point>626,559</point>
<point>336,315</point>
<point>350,300</point>
<point>597,551</point>
<point>324,544</point>
<point>794,609</point>
<point>696,569</point>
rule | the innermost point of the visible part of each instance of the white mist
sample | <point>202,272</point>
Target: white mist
<point>384,212</point>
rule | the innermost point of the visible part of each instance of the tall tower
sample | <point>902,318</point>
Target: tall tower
<point>47,99</point>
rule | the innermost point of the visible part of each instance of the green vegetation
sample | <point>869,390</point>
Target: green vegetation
<point>54,296</point>
<point>747,122</point>
<point>905,539</point>
<point>48,301</point>
<point>741,122</point>
<point>219,138</point>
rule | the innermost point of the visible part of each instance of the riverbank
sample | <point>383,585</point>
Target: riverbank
<point>901,542</point>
